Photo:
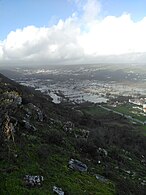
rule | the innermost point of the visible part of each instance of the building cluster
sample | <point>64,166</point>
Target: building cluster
<point>139,102</point>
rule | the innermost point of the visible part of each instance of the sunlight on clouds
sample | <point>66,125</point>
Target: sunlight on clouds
<point>1,50</point>
<point>112,35</point>
<point>77,38</point>
<point>91,10</point>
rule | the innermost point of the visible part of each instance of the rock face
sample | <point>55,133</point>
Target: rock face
<point>33,181</point>
<point>34,111</point>
<point>77,165</point>
<point>11,98</point>
<point>58,191</point>
<point>8,128</point>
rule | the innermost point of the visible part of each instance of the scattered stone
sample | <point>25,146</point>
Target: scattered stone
<point>82,133</point>
<point>77,165</point>
<point>28,126</point>
<point>51,121</point>
<point>101,178</point>
<point>128,172</point>
<point>33,110</point>
<point>68,127</point>
<point>85,133</point>
<point>58,190</point>
<point>103,151</point>
<point>33,181</point>
<point>16,155</point>
<point>143,161</point>
<point>143,182</point>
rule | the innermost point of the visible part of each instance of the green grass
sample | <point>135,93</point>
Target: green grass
<point>96,111</point>
<point>55,172</point>
<point>127,110</point>
<point>143,130</point>
<point>53,166</point>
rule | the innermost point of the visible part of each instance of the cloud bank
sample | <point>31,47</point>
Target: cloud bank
<point>78,39</point>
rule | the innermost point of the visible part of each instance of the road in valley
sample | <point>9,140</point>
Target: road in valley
<point>126,116</point>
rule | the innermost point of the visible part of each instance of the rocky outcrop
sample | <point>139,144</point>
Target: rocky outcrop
<point>11,98</point>
<point>101,178</point>
<point>33,181</point>
<point>82,133</point>
<point>8,128</point>
<point>28,126</point>
<point>77,165</point>
<point>68,127</point>
<point>34,111</point>
<point>102,152</point>
<point>58,191</point>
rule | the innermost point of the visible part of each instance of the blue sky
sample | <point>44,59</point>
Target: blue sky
<point>20,13</point>
<point>137,8</point>
<point>72,31</point>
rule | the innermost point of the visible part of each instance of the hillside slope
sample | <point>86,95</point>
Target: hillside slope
<point>78,148</point>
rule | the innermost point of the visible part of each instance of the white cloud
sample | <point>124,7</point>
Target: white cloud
<point>1,50</point>
<point>78,40</point>
<point>58,42</point>
<point>91,10</point>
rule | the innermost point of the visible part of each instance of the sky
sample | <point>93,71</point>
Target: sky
<point>45,32</point>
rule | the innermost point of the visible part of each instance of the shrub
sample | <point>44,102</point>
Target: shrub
<point>54,137</point>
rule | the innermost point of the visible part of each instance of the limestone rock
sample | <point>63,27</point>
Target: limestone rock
<point>58,191</point>
<point>33,181</point>
<point>68,127</point>
<point>28,126</point>
<point>8,128</point>
<point>101,178</point>
<point>77,165</point>
<point>34,111</point>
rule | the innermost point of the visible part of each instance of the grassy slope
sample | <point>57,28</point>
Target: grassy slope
<point>44,152</point>
<point>47,151</point>
<point>51,161</point>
